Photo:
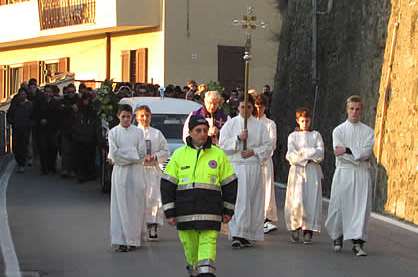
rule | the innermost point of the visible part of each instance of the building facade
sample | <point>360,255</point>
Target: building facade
<point>146,41</point>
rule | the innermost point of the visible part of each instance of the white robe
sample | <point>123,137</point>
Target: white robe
<point>270,209</point>
<point>303,206</point>
<point>127,205</point>
<point>248,219</point>
<point>351,192</point>
<point>152,175</point>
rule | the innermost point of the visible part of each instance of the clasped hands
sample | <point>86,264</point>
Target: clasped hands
<point>339,150</point>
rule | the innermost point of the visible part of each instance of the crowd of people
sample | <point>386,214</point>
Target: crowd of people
<point>46,124</point>
<point>222,174</point>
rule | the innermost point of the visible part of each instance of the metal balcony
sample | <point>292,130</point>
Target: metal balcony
<point>63,13</point>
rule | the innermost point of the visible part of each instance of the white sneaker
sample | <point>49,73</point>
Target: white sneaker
<point>269,227</point>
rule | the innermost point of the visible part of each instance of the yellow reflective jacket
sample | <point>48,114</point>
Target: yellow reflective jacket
<point>198,187</point>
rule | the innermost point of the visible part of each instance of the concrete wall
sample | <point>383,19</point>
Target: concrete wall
<point>353,58</point>
<point>196,57</point>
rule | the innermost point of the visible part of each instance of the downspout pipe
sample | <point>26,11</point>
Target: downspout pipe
<point>314,56</point>
<point>315,78</point>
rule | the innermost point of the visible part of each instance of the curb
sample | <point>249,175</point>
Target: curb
<point>4,161</point>
<point>381,217</point>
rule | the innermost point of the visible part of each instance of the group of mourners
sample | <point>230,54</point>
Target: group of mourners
<point>46,124</point>
<point>224,174</point>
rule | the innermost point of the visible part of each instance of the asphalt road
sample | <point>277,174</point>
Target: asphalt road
<point>61,228</point>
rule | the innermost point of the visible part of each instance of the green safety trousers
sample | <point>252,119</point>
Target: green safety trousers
<point>200,250</point>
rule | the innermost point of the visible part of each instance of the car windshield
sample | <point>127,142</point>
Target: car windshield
<point>171,125</point>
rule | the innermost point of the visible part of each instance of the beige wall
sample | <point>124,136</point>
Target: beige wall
<point>139,12</point>
<point>87,58</point>
<point>210,26</point>
<point>24,18</point>
<point>154,41</point>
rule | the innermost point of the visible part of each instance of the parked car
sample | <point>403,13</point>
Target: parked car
<point>168,116</point>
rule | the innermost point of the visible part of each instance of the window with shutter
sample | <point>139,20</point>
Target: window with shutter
<point>15,79</point>
<point>142,65</point>
<point>64,65</point>
<point>126,61</point>
<point>2,84</point>
<point>31,70</point>
<point>135,65</point>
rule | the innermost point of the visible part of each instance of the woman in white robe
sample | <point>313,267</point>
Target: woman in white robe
<point>156,154</point>
<point>303,206</point>
<point>127,152</point>
<point>248,220</point>
<point>351,191</point>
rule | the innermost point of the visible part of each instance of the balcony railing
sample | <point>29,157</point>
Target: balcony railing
<point>62,13</point>
<point>9,2</point>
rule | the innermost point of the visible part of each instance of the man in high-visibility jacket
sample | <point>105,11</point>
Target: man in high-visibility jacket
<point>198,192</point>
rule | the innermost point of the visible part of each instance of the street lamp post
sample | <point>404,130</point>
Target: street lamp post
<point>249,24</point>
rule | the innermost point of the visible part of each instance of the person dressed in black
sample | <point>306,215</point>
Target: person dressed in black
<point>46,116</point>
<point>67,118</point>
<point>85,135</point>
<point>33,95</point>
<point>19,116</point>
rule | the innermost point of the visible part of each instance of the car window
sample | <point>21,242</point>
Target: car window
<point>171,125</point>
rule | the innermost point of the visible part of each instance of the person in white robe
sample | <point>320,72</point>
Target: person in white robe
<point>303,206</point>
<point>127,204</point>
<point>213,114</point>
<point>248,221</point>
<point>270,208</point>
<point>156,154</point>
<point>351,191</point>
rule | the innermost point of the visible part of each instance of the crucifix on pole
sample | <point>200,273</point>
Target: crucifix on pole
<point>249,24</point>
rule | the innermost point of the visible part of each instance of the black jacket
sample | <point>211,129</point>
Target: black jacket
<point>19,114</point>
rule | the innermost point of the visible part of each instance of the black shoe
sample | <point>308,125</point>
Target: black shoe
<point>153,232</point>
<point>236,243</point>
<point>294,236</point>
<point>307,236</point>
<point>358,248</point>
<point>122,248</point>
<point>338,244</point>
<point>132,247</point>
<point>246,243</point>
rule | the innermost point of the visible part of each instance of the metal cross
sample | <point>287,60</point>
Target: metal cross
<point>249,24</point>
